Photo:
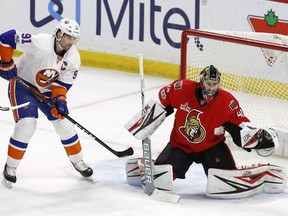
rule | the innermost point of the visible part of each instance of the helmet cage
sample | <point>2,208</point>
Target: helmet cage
<point>210,81</point>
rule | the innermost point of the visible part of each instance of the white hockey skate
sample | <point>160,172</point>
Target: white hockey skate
<point>9,174</point>
<point>83,168</point>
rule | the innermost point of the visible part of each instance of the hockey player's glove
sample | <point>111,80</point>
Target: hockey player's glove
<point>264,141</point>
<point>146,122</point>
<point>8,70</point>
<point>60,108</point>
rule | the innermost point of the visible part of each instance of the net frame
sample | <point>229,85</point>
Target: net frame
<point>221,36</point>
<point>249,83</point>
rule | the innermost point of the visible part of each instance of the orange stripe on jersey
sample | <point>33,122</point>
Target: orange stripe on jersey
<point>6,53</point>
<point>15,153</point>
<point>74,149</point>
<point>12,98</point>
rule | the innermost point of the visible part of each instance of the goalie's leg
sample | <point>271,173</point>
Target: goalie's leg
<point>177,158</point>
<point>245,182</point>
<point>163,176</point>
<point>218,156</point>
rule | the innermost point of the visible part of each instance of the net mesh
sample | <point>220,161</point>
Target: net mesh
<point>257,77</point>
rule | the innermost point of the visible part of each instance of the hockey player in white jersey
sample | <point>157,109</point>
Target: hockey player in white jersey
<point>49,64</point>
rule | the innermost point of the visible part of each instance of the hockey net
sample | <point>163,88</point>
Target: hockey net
<point>254,68</point>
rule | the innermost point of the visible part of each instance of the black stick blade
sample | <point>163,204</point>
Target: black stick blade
<point>127,152</point>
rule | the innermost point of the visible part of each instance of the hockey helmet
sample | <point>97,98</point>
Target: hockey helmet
<point>69,27</point>
<point>210,79</point>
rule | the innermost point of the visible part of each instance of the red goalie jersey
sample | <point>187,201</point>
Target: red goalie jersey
<point>198,125</point>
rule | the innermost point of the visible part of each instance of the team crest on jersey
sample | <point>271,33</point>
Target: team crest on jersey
<point>193,130</point>
<point>46,76</point>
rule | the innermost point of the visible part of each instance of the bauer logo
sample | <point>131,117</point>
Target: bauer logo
<point>54,10</point>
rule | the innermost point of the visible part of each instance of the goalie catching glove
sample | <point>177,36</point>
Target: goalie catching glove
<point>147,121</point>
<point>264,141</point>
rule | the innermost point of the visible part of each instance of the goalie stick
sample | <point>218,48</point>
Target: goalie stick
<point>43,99</point>
<point>146,143</point>
<point>150,188</point>
<point>3,108</point>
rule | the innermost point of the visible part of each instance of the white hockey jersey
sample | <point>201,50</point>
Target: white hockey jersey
<point>40,65</point>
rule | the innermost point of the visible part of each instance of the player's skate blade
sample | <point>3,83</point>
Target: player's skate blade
<point>7,184</point>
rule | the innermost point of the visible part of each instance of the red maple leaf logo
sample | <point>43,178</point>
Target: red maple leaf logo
<point>269,23</point>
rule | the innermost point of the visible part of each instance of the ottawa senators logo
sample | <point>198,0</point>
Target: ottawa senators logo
<point>193,130</point>
<point>46,76</point>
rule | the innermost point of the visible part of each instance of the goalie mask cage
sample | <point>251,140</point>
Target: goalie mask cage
<point>253,66</point>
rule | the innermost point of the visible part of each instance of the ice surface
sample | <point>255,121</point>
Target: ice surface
<point>103,101</point>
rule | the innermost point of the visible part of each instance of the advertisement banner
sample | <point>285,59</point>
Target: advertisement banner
<point>151,27</point>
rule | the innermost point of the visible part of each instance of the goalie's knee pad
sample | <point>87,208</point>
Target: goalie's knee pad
<point>245,182</point>
<point>162,175</point>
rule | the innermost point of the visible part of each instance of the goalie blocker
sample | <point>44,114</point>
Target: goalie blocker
<point>147,121</point>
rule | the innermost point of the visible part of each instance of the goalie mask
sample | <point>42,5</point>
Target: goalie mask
<point>68,27</point>
<point>209,82</point>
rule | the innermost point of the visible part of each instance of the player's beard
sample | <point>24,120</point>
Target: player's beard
<point>66,47</point>
<point>62,46</point>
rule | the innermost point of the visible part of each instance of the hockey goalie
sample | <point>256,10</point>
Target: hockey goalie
<point>204,112</point>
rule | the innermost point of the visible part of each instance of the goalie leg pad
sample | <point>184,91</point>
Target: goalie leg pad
<point>245,182</point>
<point>163,175</point>
<point>133,172</point>
<point>147,121</point>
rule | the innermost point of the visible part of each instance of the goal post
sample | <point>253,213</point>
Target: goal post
<point>254,68</point>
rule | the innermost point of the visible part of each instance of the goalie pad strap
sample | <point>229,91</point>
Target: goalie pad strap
<point>147,121</point>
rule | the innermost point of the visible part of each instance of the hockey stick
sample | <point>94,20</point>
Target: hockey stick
<point>146,143</point>
<point>124,153</point>
<point>3,108</point>
<point>150,188</point>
